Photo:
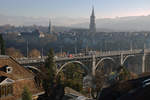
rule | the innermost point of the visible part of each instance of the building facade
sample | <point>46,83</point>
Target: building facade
<point>13,79</point>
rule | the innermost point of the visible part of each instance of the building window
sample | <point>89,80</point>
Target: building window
<point>6,90</point>
<point>9,69</point>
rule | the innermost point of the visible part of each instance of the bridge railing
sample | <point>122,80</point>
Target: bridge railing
<point>98,54</point>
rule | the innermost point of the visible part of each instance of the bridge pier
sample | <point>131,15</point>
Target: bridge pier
<point>143,61</point>
<point>93,65</point>
<point>121,60</point>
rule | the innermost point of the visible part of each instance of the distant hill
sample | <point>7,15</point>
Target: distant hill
<point>44,21</point>
<point>133,23</point>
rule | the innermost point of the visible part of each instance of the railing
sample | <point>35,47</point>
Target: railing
<point>100,54</point>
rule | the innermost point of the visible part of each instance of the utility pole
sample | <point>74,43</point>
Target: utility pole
<point>61,51</point>
<point>131,46</point>
<point>75,45</point>
<point>27,48</point>
<point>42,53</point>
<point>75,49</point>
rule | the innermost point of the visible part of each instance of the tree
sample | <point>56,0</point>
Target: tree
<point>73,76</point>
<point>50,64</point>
<point>124,73</point>
<point>50,71</point>
<point>26,94</point>
<point>99,81</point>
<point>14,52</point>
<point>2,45</point>
<point>54,90</point>
<point>34,53</point>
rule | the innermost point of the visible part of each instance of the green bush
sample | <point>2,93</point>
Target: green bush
<point>26,94</point>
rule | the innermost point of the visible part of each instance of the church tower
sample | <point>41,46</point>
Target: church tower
<point>92,27</point>
<point>50,27</point>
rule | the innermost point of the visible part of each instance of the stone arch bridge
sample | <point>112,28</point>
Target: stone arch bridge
<point>91,62</point>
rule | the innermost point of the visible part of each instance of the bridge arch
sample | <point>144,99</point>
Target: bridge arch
<point>106,58</point>
<point>78,62</point>
<point>34,68</point>
<point>125,59</point>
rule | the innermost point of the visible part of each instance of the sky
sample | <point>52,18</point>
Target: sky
<point>74,8</point>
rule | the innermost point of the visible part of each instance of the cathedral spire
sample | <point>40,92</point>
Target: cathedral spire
<point>92,27</point>
<point>93,14</point>
<point>50,27</point>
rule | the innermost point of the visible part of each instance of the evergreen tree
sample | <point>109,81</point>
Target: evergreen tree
<point>50,64</point>
<point>73,76</point>
<point>26,95</point>
<point>54,90</point>
<point>50,71</point>
<point>2,45</point>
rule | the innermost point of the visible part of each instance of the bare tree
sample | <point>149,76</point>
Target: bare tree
<point>34,53</point>
<point>98,83</point>
<point>14,52</point>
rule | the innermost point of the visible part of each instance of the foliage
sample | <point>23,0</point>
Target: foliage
<point>72,76</point>
<point>2,45</point>
<point>124,73</point>
<point>14,52</point>
<point>99,81</point>
<point>34,53</point>
<point>50,70</point>
<point>50,64</point>
<point>54,90</point>
<point>26,95</point>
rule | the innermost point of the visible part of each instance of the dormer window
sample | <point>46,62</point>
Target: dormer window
<point>9,69</point>
<point>6,87</point>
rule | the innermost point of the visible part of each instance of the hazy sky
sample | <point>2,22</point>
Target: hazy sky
<point>74,8</point>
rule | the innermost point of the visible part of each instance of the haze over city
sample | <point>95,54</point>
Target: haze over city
<point>68,12</point>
